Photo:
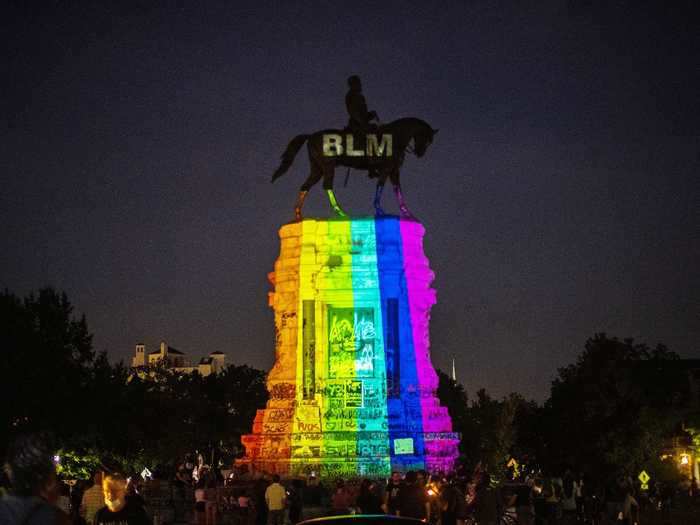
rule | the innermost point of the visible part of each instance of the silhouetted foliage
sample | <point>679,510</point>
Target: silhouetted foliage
<point>57,383</point>
<point>46,357</point>
<point>613,408</point>
<point>492,430</point>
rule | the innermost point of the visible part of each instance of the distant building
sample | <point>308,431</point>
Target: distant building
<point>177,361</point>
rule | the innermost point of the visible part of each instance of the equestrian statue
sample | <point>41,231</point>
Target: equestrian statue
<point>378,149</point>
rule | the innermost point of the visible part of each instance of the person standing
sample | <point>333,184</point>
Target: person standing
<point>32,475</point>
<point>539,505</point>
<point>200,502</point>
<point>133,494</point>
<point>243,502</point>
<point>391,494</point>
<point>450,497</point>
<point>63,501</point>
<point>568,500</point>
<point>509,505</point>
<point>614,499</point>
<point>275,498</point>
<point>259,504</point>
<point>313,492</point>
<point>118,510</point>
<point>341,499</point>
<point>578,494</point>
<point>367,500</point>
<point>295,501</point>
<point>413,501</point>
<point>93,499</point>
<point>552,499</point>
<point>630,509</point>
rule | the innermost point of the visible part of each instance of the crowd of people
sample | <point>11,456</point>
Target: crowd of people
<point>211,497</point>
<point>535,499</point>
<point>38,497</point>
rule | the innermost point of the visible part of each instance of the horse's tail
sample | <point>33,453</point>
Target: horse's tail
<point>288,155</point>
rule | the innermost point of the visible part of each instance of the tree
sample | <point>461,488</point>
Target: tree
<point>453,397</point>
<point>605,412</point>
<point>491,430</point>
<point>47,355</point>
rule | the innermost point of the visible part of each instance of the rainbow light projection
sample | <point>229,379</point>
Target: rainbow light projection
<point>352,391</point>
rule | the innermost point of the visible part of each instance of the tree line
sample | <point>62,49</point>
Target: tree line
<point>55,382</point>
<point>612,410</point>
<point>615,411</point>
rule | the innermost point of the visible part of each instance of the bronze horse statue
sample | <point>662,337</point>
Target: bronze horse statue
<point>402,132</point>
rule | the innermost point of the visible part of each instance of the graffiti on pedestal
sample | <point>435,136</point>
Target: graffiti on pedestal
<point>353,393</point>
<point>283,391</point>
<point>288,318</point>
<point>351,342</point>
<point>279,414</point>
<point>308,427</point>
<point>281,427</point>
<point>306,451</point>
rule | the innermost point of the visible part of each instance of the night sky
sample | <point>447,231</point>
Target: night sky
<point>561,196</point>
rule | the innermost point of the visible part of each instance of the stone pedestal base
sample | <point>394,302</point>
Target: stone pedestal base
<point>352,391</point>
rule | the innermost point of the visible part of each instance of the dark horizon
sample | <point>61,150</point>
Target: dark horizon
<point>560,198</point>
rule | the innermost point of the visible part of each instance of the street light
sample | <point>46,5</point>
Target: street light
<point>685,459</point>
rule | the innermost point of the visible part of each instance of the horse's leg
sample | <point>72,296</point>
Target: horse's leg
<point>378,211</point>
<point>405,212</point>
<point>312,179</point>
<point>329,172</point>
<point>299,204</point>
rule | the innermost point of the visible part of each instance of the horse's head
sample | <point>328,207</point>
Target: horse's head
<point>422,138</point>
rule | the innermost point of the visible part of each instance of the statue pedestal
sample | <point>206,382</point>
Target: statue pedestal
<point>352,390</point>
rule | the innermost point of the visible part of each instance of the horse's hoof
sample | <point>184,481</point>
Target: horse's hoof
<point>378,212</point>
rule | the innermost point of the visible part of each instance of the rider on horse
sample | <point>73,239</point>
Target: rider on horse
<point>356,105</point>
<point>397,136</point>
<point>360,118</point>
